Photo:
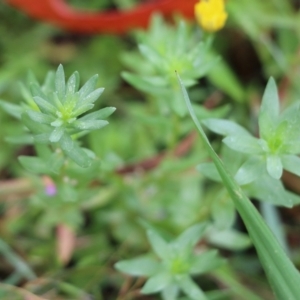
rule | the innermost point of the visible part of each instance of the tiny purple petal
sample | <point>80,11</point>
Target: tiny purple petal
<point>50,190</point>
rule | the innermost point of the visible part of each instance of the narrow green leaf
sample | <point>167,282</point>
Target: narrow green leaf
<point>60,83</point>
<point>233,282</point>
<point>16,261</point>
<point>270,190</point>
<point>251,169</point>
<point>206,262</point>
<point>92,97</point>
<point>270,100</point>
<point>150,54</point>
<point>89,125</point>
<point>191,289</point>
<point>282,274</point>
<point>82,109</point>
<point>144,84</point>
<point>32,126</point>
<point>291,163</point>
<point>225,127</point>
<point>157,283</point>
<point>36,90</point>
<point>12,109</point>
<point>72,84</point>
<point>55,162</point>
<point>43,138</point>
<point>78,155</point>
<point>190,237</point>
<point>271,215</point>
<point>171,292</point>
<point>159,245</point>
<point>223,210</point>
<point>274,166</point>
<point>55,100</point>
<point>140,266</point>
<point>210,171</point>
<point>40,117</point>
<point>56,134</point>
<point>243,143</point>
<point>33,164</point>
<point>45,106</point>
<point>99,114</point>
<point>225,79</point>
<point>228,239</point>
<point>269,110</point>
<point>66,142</point>
<point>88,87</point>
<point>24,139</point>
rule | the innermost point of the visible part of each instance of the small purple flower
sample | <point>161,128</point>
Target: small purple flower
<point>50,188</point>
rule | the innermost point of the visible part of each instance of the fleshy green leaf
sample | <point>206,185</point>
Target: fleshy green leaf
<point>66,142</point>
<point>271,190</point>
<point>157,283</point>
<point>88,87</point>
<point>79,156</point>
<point>223,210</point>
<point>269,110</point>
<point>210,171</point>
<point>225,127</point>
<point>82,109</point>
<point>228,239</point>
<point>150,54</point>
<point>33,164</point>
<point>56,134</point>
<point>55,162</point>
<point>32,126</point>
<point>60,83</point>
<point>291,163</point>
<point>24,139</point>
<point>252,168</point>
<point>171,292</point>
<point>45,106</point>
<point>99,114</point>
<point>12,109</point>
<point>72,84</point>
<point>89,125</point>
<point>40,117</point>
<point>189,238</point>
<point>36,90</point>
<point>140,266</point>
<point>243,143</point>
<point>274,166</point>
<point>143,83</point>
<point>42,138</point>
<point>191,289</point>
<point>91,98</point>
<point>159,245</point>
<point>206,262</point>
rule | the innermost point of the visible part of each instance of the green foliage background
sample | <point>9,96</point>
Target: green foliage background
<point>144,178</point>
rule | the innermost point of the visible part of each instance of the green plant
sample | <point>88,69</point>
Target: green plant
<point>70,222</point>
<point>283,276</point>
<point>176,266</point>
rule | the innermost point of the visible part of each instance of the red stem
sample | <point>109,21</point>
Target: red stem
<point>59,13</point>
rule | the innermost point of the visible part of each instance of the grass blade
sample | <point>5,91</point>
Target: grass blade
<point>284,278</point>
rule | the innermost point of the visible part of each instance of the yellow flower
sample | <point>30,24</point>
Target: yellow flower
<point>211,14</point>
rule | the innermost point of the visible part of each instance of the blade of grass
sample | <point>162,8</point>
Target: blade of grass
<point>19,264</point>
<point>282,274</point>
<point>232,281</point>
